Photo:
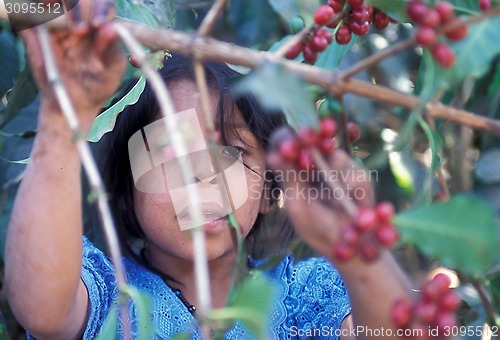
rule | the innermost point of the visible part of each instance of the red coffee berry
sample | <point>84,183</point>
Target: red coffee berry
<point>457,33</point>
<point>416,10</point>
<point>401,313</point>
<point>305,161</point>
<point>369,250</point>
<point>134,62</point>
<point>443,54</point>
<point>380,20</point>
<point>351,236</point>
<point>310,55</point>
<point>431,19</point>
<point>360,14</point>
<point>485,5</point>
<point>318,43</point>
<point>387,235</point>
<point>343,251</point>
<point>326,145</point>
<point>324,34</point>
<point>289,150</point>
<point>442,280</point>
<point>353,131</point>
<point>344,35</point>
<point>323,15</point>
<point>359,28</point>
<point>445,11</point>
<point>384,212</point>
<point>445,320</point>
<point>294,51</point>
<point>426,36</point>
<point>307,137</point>
<point>365,219</point>
<point>355,3</point>
<point>328,127</point>
<point>449,302</point>
<point>426,312</point>
<point>336,5</point>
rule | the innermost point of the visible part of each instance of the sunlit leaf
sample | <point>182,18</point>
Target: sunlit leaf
<point>277,89</point>
<point>462,233</point>
<point>105,122</point>
<point>110,326</point>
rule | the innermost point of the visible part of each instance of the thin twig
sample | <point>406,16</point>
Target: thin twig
<point>376,58</point>
<point>211,18</point>
<point>88,163</point>
<point>349,207</point>
<point>167,109</point>
<point>490,311</point>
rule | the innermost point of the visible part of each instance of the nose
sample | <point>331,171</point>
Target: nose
<point>211,180</point>
<point>203,168</point>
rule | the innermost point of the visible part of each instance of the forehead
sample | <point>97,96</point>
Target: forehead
<point>185,96</point>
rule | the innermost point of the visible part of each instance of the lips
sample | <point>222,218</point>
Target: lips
<point>211,211</point>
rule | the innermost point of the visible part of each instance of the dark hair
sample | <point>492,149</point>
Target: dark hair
<point>270,232</point>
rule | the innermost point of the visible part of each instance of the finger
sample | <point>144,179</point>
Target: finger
<point>104,11</point>
<point>79,17</point>
<point>107,44</point>
<point>355,179</point>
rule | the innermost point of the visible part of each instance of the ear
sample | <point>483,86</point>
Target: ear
<point>265,200</point>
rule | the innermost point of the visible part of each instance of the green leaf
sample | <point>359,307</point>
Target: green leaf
<point>461,233</point>
<point>22,94</point>
<point>132,12</point>
<point>164,11</point>
<point>251,304</point>
<point>110,326</point>
<point>277,89</point>
<point>143,307</point>
<point>333,55</point>
<point>290,9</point>
<point>474,54</point>
<point>105,122</point>
<point>9,61</point>
<point>22,161</point>
<point>394,8</point>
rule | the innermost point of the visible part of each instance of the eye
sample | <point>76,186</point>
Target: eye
<point>233,151</point>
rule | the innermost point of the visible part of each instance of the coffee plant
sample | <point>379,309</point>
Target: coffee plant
<point>409,88</point>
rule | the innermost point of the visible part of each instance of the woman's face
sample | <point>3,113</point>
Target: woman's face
<point>164,216</point>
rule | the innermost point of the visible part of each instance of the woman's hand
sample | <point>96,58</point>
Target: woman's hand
<point>88,57</point>
<point>314,207</point>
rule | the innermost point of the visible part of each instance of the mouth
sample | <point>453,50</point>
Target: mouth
<point>213,216</point>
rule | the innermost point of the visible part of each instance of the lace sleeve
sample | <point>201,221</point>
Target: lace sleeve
<point>317,298</point>
<point>99,277</point>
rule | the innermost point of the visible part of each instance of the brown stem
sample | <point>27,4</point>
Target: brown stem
<point>484,300</point>
<point>211,18</point>
<point>211,49</point>
<point>375,58</point>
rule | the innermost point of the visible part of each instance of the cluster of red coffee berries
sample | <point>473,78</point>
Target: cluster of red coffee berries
<point>311,46</point>
<point>435,309</point>
<point>354,16</point>
<point>370,230</point>
<point>430,22</point>
<point>298,151</point>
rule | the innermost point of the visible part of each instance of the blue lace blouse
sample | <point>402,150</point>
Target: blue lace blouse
<point>310,301</point>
